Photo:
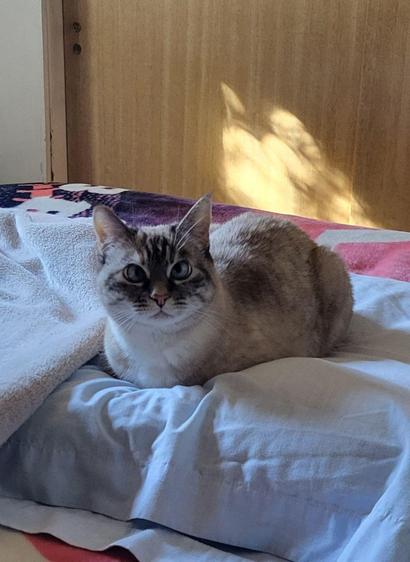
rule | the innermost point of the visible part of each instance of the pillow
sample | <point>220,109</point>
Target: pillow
<point>303,458</point>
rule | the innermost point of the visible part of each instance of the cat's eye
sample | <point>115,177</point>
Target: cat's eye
<point>133,273</point>
<point>181,271</point>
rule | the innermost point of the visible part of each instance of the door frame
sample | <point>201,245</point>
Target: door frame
<point>54,90</point>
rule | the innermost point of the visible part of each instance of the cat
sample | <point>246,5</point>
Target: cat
<point>191,300</point>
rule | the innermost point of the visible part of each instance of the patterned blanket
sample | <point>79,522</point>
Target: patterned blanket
<point>383,253</point>
<point>366,251</point>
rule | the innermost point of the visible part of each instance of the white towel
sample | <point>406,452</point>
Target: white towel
<point>51,321</point>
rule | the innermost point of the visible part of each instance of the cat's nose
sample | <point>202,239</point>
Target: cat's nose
<point>159,298</point>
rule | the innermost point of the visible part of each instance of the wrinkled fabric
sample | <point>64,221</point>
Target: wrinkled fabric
<point>301,458</point>
<point>51,321</point>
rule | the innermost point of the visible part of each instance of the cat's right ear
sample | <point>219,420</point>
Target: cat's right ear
<point>108,227</point>
<point>195,224</point>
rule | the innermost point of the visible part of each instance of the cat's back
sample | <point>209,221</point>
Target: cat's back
<point>281,287</point>
<point>253,240</point>
<point>264,266</point>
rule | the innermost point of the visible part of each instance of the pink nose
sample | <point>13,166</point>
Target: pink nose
<point>160,298</point>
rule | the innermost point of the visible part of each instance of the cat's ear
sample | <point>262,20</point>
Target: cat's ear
<point>108,227</point>
<point>195,224</point>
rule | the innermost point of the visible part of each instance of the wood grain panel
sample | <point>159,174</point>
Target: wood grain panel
<point>316,115</point>
<point>141,109</point>
<point>303,57</point>
<point>382,152</point>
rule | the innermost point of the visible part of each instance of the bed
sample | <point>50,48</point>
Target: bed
<point>344,496</point>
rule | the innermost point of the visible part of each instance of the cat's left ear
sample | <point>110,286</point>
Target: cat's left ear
<point>108,227</point>
<point>195,224</point>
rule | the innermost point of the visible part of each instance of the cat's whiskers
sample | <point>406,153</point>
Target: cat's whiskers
<point>123,320</point>
<point>119,316</point>
<point>208,313</point>
<point>212,319</point>
<point>125,324</point>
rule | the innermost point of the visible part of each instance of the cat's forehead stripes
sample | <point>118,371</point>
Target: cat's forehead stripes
<point>156,249</point>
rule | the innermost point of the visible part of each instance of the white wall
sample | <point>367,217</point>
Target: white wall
<point>22,106</point>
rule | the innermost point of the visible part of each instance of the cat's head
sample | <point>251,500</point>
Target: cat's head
<point>160,277</point>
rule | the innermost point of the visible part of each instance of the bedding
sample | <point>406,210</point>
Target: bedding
<point>52,321</point>
<point>313,454</point>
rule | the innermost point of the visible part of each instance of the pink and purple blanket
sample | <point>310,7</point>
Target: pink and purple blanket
<point>367,251</point>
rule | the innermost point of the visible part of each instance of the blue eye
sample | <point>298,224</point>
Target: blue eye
<point>181,271</point>
<point>134,274</point>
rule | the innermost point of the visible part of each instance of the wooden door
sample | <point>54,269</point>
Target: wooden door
<point>298,106</point>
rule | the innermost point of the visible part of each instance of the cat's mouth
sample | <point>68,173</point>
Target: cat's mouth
<point>161,314</point>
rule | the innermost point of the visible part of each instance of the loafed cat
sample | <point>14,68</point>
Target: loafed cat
<point>191,300</point>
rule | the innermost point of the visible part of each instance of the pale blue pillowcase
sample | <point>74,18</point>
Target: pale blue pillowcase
<point>250,460</point>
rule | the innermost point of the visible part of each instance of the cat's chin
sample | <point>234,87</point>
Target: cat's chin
<point>165,321</point>
<point>162,320</point>
<point>161,314</point>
